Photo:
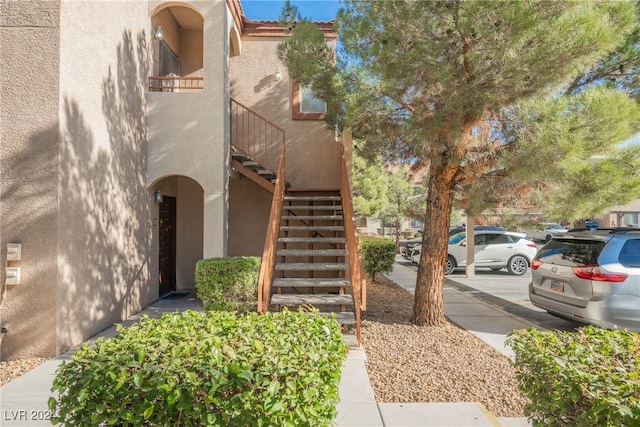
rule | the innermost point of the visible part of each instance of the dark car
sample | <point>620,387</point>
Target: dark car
<point>406,246</point>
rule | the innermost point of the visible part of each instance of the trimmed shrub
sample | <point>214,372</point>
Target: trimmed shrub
<point>378,255</point>
<point>228,283</point>
<point>587,378</point>
<point>206,369</point>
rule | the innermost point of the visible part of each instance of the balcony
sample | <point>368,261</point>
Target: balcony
<point>175,84</point>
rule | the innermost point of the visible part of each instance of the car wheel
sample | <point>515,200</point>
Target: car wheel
<point>517,265</point>
<point>450,265</point>
<point>547,237</point>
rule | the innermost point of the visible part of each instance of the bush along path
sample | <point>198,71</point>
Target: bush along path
<point>197,368</point>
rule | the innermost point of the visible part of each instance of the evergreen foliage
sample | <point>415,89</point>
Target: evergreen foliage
<point>454,85</point>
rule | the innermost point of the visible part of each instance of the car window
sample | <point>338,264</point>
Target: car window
<point>553,227</point>
<point>480,239</point>
<point>571,252</point>
<point>496,239</point>
<point>456,238</point>
<point>630,253</point>
<point>513,239</point>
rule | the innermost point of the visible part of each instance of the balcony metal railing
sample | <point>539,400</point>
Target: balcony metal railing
<point>175,84</point>
<point>256,136</point>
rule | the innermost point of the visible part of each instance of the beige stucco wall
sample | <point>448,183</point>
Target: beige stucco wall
<point>105,219</point>
<point>187,131</point>
<point>311,150</point>
<point>249,208</point>
<point>29,46</point>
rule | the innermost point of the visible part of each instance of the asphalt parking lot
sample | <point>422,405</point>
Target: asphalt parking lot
<point>506,291</point>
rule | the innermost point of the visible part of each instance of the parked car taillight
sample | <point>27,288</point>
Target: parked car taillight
<point>593,272</point>
<point>535,264</point>
<point>532,245</point>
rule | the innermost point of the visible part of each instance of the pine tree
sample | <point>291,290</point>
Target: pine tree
<point>435,82</point>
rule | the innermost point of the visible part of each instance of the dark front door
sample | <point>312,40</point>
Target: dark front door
<point>167,262</point>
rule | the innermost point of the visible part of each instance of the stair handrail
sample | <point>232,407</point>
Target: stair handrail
<point>256,136</point>
<point>358,283</point>
<point>267,267</point>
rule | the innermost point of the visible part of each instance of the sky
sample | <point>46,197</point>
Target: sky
<point>269,10</point>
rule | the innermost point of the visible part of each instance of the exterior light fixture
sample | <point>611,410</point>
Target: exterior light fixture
<point>158,33</point>
<point>157,196</point>
<point>277,75</point>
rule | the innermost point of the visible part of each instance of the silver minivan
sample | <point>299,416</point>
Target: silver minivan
<point>591,277</point>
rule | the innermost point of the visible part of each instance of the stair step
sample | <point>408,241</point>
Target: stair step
<point>310,266</point>
<point>312,217</point>
<point>238,155</point>
<point>312,282</point>
<point>312,299</point>
<point>312,227</point>
<point>311,252</point>
<point>250,163</point>
<point>343,318</point>
<point>313,208</point>
<point>313,198</point>
<point>351,340</point>
<point>264,172</point>
<point>311,239</point>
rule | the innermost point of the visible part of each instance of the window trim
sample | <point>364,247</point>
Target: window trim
<point>361,221</point>
<point>296,114</point>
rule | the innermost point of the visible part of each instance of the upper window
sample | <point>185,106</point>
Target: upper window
<point>306,106</point>
<point>361,221</point>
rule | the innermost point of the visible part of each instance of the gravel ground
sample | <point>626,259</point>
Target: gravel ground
<point>12,369</point>
<point>408,363</point>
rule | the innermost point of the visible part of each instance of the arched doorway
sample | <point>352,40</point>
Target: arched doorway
<point>179,232</point>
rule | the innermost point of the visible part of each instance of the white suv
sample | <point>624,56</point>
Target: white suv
<point>591,277</point>
<point>494,249</point>
<point>545,231</point>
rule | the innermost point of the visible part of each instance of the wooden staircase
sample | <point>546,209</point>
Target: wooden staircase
<point>310,256</point>
<point>252,169</point>
<point>311,268</point>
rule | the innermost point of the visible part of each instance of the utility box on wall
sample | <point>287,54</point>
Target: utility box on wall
<point>13,275</point>
<point>14,251</point>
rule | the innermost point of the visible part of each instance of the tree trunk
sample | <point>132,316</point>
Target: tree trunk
<point>428,307</point>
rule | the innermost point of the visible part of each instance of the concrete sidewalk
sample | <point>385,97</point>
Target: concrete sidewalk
<point>23,402</point>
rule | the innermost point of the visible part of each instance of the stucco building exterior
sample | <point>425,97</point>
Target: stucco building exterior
<point>115,159</point>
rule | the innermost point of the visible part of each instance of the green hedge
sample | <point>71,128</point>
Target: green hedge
<point>587,378</point>
<point>229,284</point>
<point>378,255</point>
<point>197,369</point>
